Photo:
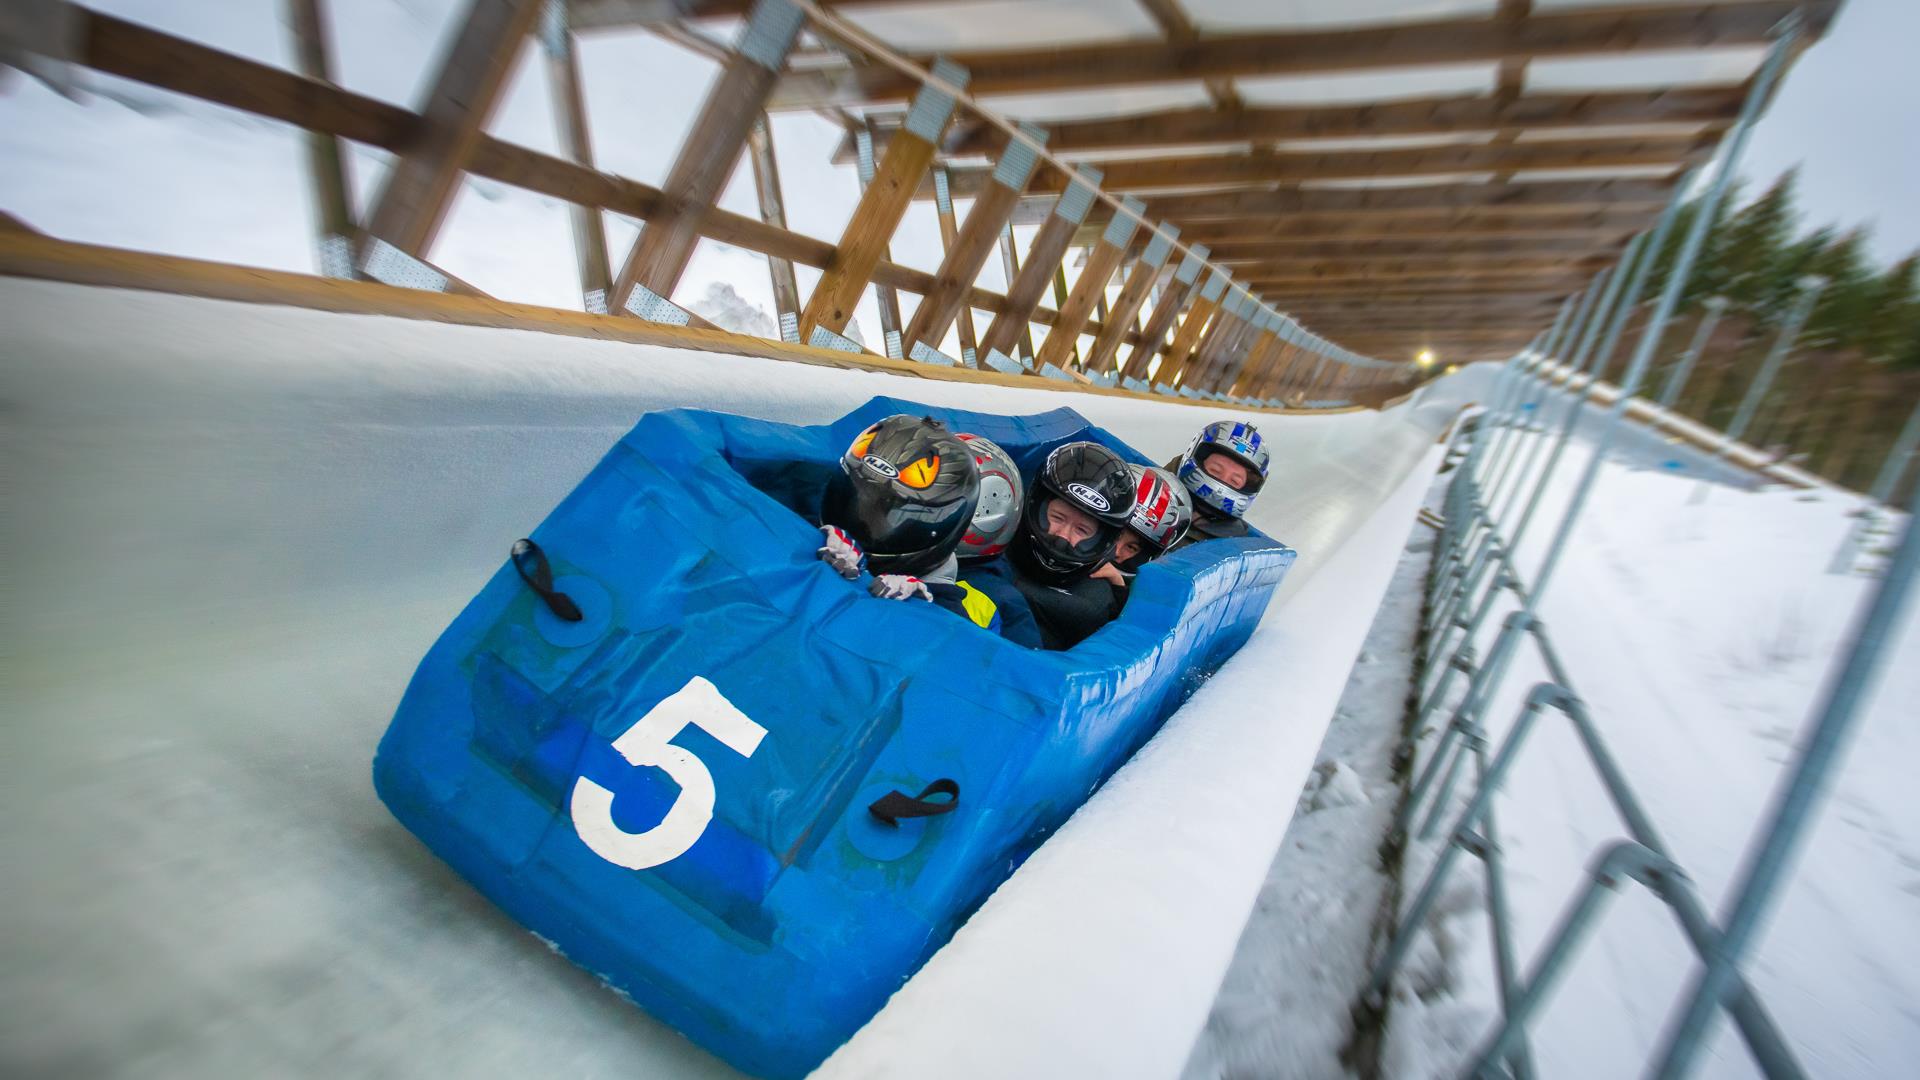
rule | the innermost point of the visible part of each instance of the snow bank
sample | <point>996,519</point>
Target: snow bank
<point>1700,635</point>
<point>1284,1010</point>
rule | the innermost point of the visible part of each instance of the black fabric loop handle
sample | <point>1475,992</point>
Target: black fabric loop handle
<point>540,580</point>
<point>895,805</point>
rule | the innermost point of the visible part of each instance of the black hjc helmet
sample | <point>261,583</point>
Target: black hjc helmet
<point>1090,478</point>
<point>906,494</point>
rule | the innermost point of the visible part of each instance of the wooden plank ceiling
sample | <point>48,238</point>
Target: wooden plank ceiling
<point>1446,220</point>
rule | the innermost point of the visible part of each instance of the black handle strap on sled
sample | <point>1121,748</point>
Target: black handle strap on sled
<point>895,805</point>
<point>531,564</point>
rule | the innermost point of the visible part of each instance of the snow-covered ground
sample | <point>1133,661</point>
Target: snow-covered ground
<point>1700,634</point>
<point>1284,1010</point>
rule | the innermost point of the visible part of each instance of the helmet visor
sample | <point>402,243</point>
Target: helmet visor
<point>1067,537</point>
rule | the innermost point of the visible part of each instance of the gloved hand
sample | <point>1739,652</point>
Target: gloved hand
<point>899,587</point>
<point>841,553</point>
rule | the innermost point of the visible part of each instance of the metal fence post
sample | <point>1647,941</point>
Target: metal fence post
<point>1810,288</point>
<point>1677,381</point>
<point>1677,278</point>
<point>1518,420</point>
<point>1766,865</point>
<point>1897,458</point>
<point>1578,403</point>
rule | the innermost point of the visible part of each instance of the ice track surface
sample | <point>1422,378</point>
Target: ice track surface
<point>232,532</point>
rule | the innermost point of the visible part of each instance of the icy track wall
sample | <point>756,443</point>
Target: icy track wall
<point>233,530</point>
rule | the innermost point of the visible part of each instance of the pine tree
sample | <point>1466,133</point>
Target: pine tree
<point>1755,238</point>
<point>1846,307</point>
<point>1891,328</point>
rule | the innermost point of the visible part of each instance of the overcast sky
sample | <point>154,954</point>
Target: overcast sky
<point>1850,116</point>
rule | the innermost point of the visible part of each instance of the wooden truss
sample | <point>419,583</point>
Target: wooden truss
<point>1461,228</point>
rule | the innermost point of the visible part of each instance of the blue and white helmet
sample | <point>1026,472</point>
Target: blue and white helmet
<point>1237,440</point>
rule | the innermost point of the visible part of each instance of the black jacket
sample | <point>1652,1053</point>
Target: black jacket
<point>1065,614</point>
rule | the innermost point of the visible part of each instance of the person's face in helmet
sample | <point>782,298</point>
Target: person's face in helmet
<point>1127,546</point>
<point>1226,470</point>
<point>1069,523</point>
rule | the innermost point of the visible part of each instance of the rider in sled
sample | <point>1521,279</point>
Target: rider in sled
<point>1074,514</point>
<point>903,501</point>
<point>1223,470</point>
<point>1162,514</point>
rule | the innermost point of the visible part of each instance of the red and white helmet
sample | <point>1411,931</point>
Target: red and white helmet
<point>997,516</point>
<point>1162,510</point>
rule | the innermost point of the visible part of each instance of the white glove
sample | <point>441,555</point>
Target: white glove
<point>841,553</point>
<point>899,587</point>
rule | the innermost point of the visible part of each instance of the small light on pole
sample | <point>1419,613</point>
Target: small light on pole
<point>1425,359</point>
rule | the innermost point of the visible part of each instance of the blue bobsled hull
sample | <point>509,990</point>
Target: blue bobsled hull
<point>674,789</point>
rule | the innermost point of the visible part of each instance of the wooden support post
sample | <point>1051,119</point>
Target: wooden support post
<point>1165,311</point>
<point>570,116</point>
<point>1091,287</point>
<point>420,186</point>
<point>1235,374</point>
<point>884,295</point>
<point>1260,356</point>
<point>967,252</point>
<point>773,211</point>
<point>882,205</point>
<point>1043,257</point>
<point>326,156</point>
<point>949,233</point>
<point>735,103</point>
<point>1199,362</point>
<point>1273,383</point>
<point>1184,339</point>
<point>1229,354</point>
<point>1059,301</point>
<point>1146,270</point>
<point>1010,269</point>
<point>1234,356</point>
<point>1299,367</point>
<point>1218,375</point>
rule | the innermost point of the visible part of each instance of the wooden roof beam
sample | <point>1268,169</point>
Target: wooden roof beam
<point>1256,250</point>
<point>863,244</point>
<point>1414,305</point>
<point>707,158</point>
<point>1320,203</point>
<point>1036,270</point>
<point>1711,107</point>
<point>1183,283</point>
<point>1341,329</point>
<point>968,251</point>
<point>1088,289</point>
<point>1587,32</point>
<point>418,190</point>
<point>1178,28</point>
<point>119,47</point>
<point>1590,225</point>
<point>1292,167</point>
<point>642,14</point>
<point>1150,267</point>
<point>1391,265</point>
<point>1381,294</point>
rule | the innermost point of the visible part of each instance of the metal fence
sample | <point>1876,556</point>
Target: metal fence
<point>1476,566</point>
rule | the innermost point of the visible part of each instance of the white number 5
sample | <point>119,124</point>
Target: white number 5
<point>647,742</point>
